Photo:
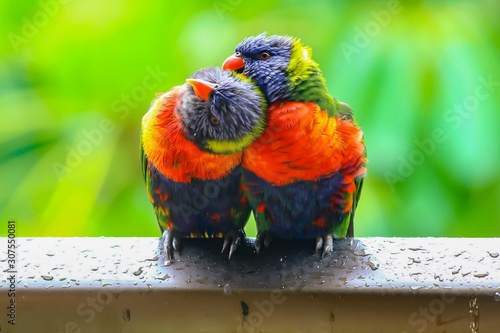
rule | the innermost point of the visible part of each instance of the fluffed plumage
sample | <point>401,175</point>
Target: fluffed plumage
<point>192,140</point>
<point>304,175</point>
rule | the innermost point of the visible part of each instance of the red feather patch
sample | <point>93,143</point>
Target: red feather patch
<point>171,153</point>
<point>302,142</point>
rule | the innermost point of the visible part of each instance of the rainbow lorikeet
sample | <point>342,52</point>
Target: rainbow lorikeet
<point>303,176</point>
<point>192,140</point>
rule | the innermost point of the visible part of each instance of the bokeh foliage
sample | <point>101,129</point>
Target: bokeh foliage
<point>77,76</point>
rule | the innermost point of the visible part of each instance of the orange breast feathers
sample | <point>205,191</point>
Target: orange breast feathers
<point>171,153</point>
<point>302,142</point>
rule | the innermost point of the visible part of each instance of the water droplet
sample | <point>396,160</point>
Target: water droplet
<point>438,277</point>
<point>497,297</point>
<point>414,289</point>
<point>227,289</point>
<point>138,272</point>
<point>415,260</point>
<point>493,254</point>
<point>164,277</point>
<point>416,249</point>
<point>373,265</point>
<point>481,275</point>
<point>47,277</point>
<point>126,315</point>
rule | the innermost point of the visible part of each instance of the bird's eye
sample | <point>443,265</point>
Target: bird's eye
<point>214,120</point>
<point>264,55</point>
<point>237,53</point>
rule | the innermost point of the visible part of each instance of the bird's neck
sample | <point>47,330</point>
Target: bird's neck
<point>309,85</point>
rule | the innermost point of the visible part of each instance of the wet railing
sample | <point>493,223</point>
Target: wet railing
<point>366,285</point>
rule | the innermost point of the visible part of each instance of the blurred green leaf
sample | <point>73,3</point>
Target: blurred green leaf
<point>65,68</point>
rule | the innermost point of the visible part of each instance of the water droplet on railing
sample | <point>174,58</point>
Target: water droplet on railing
<point>481,275</point>
<point>493,254</point>
<point>227,290</point>
<point>373,265</point>
<point>138,272</point>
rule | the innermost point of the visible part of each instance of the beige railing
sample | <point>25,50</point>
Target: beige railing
<point>367,285</point>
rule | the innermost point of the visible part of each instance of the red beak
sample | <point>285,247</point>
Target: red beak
<point>233,63</point>
<point>201,88</point>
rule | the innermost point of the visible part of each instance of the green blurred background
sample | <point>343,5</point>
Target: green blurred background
<point>76,77</point>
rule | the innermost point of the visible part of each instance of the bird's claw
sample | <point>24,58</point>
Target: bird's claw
<point>263,238</point>
<point>325,243</point>
<point>234,238</point>
<point>171,243</point>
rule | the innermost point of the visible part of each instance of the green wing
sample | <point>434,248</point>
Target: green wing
<point>162,214</point>
<point>345,112</point>
<point>144,163</point>
<point>359,185</point>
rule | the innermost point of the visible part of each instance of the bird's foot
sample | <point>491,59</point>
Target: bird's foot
<point>263,238</point>
<point>234,238</point>
<point>325,243</point>
<point>171,243</point>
